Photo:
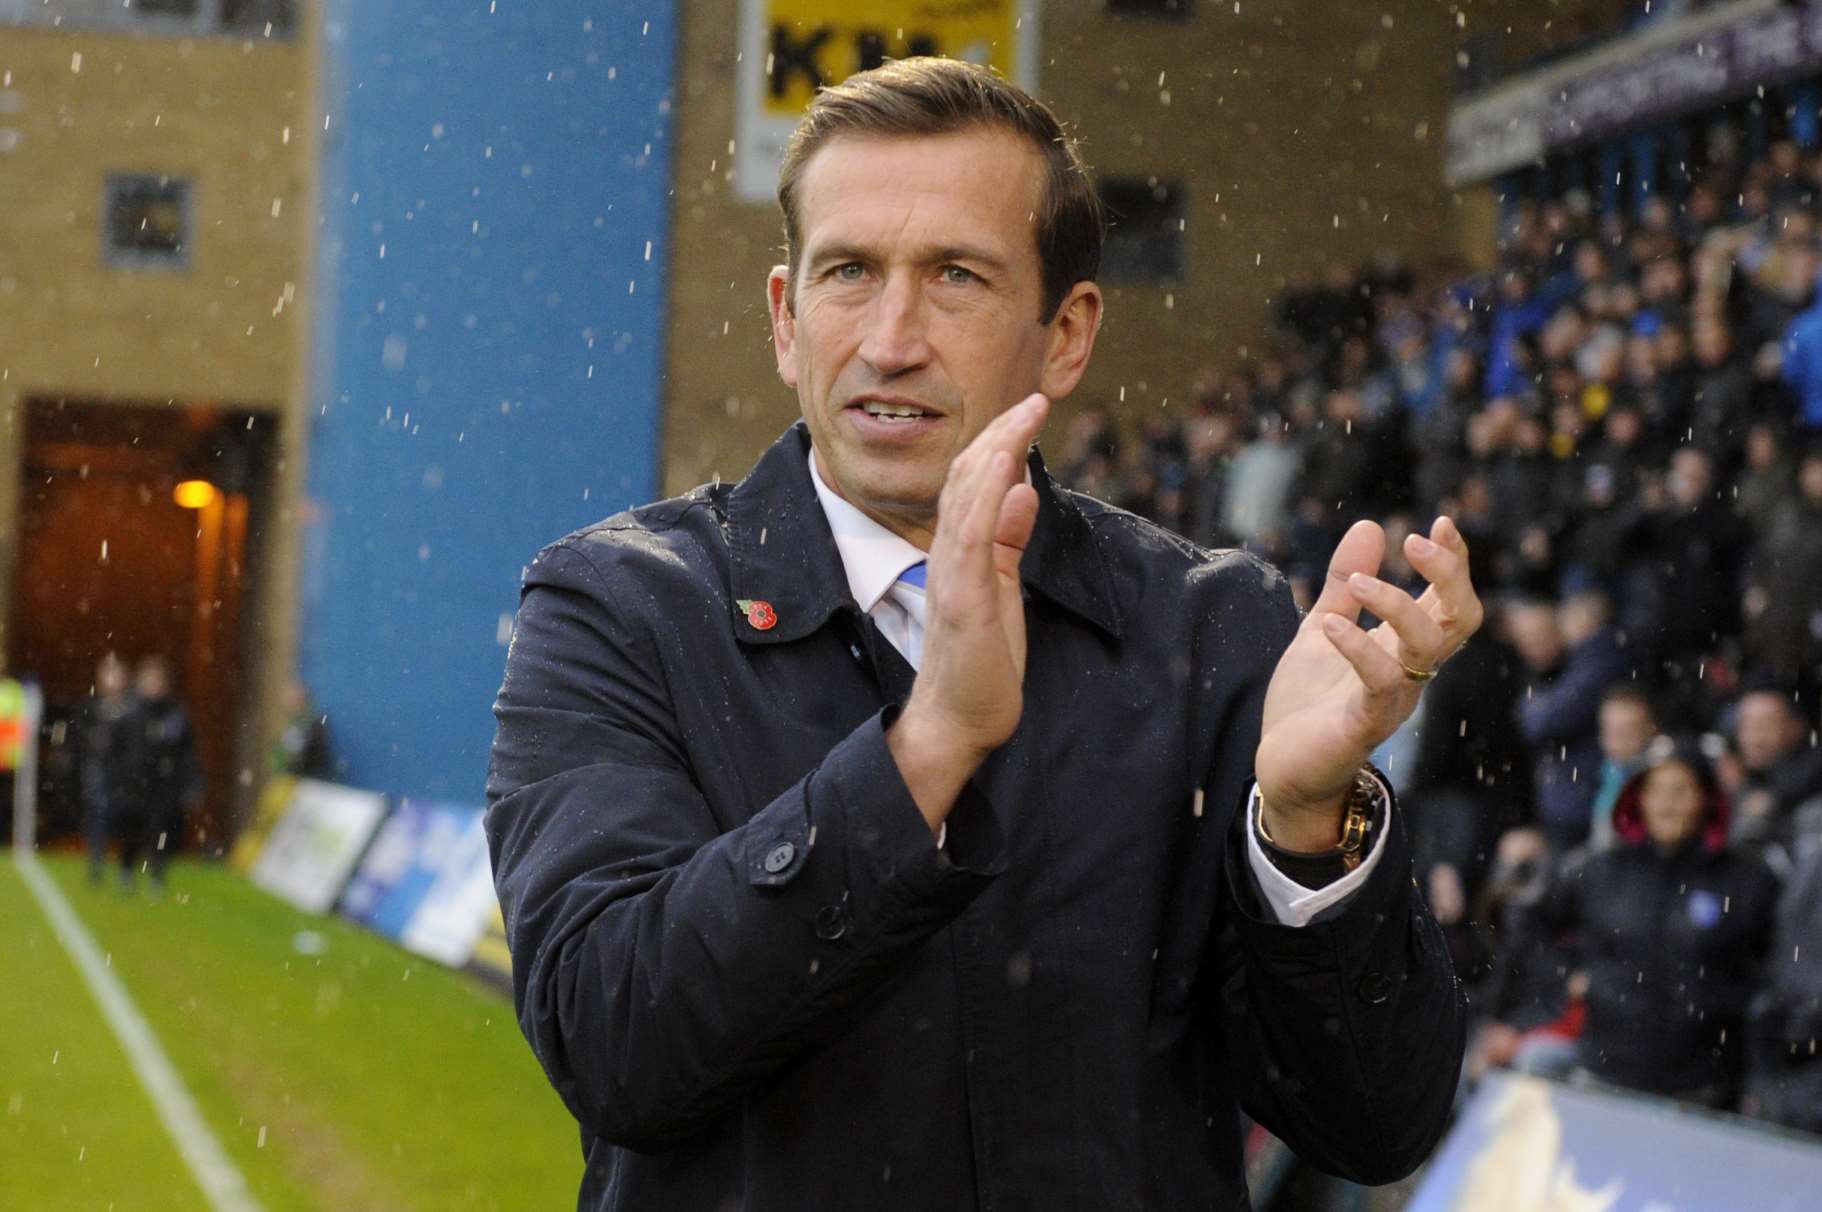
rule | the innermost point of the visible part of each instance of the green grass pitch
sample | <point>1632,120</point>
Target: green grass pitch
<point>363,1077</point>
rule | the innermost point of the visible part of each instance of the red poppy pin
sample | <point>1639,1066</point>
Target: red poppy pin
<point>760,615</point>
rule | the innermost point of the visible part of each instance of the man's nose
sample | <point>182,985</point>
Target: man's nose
<point>897,337</point>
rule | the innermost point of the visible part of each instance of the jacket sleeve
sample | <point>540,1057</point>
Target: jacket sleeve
<point>1343,1037</point>
<point>1347,1034</point>
<point>664,964</point>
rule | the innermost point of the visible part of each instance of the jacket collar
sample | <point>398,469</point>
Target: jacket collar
<point>783,557</point>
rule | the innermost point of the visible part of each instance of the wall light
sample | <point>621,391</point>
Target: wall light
<point>194,494</point>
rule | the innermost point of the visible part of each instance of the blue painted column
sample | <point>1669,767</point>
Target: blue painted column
<point>1571,173</point>
<point>1677,152</point>
<point>489,346</point>
<point>1609,163</point>
<point>1643,151</point>
<point>1805,122</point>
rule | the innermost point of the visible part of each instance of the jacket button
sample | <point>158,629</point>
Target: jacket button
<point>831,923</point>
<point>1374,989</point>
<point>779,857</point>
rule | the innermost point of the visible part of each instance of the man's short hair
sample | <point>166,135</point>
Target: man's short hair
<point>929,96</point>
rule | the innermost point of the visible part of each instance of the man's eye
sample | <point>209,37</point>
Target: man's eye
<point>852,271</point>
<point>957,276</point>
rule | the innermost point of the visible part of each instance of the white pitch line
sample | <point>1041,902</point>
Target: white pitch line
<point>220,1181</point>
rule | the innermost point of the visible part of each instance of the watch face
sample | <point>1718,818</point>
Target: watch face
<point>1362,812</point>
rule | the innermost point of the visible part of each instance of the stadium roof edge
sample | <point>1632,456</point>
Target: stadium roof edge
<point>1517,120</point>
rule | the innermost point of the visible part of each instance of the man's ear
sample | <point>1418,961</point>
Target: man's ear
<point>784,323</point>
<point>1071,341</point>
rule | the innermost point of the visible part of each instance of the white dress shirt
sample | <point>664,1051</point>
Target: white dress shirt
<point>874,558</point>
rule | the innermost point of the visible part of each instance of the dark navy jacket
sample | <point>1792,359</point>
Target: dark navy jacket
<point>756,982</point>
<point>1673,944</point>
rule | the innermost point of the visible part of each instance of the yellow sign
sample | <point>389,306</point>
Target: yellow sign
<point>791,48</point>
<point>811,43</point>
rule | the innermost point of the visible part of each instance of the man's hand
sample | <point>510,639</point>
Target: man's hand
<point>1339,691</point>
<point>969,691</point>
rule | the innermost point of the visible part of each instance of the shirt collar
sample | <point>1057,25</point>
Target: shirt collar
<point>872,556</point>
<point>781,549</point>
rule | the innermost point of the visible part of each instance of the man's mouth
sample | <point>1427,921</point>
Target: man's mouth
<point>897,413</point>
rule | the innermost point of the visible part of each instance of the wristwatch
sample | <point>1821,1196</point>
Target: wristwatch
<point>1363,815</point>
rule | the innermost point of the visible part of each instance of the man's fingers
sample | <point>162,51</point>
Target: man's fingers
<point>1450,600</point>
<point>1421,641</point>
<point>985,513</point>
<point>1447,533</point>
<point>986,495</point>
<point>980,476</point>
<point>964,553</point>
<point>1015,428</point>
<point>1018,515</point>
<point>1378,669</point>
<point>1360,550</point>
<point>1012,431</point>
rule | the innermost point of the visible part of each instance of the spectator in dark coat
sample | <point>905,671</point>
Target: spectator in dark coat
<point>1784,594</point>
<point>1670,927</point>
<point>1697,550</point>
<point>1442,432</point>
<point>1784,1084</point>
<point>1771,770</point>
<point>1530,488</point>
<point>1720,409</point>
<point>112,771</point>
<point>173,777</point>
<point>1471,778</point>
<point>1678,377</point>
<point>1339,467</point>
<point>1213,441</point>
<point>1764,480</point>
<point>1574,656</point>
<point>1526,1016</point>
<point>1605,537</point>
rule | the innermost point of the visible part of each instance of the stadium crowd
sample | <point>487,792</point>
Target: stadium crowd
<point>1615,791</point>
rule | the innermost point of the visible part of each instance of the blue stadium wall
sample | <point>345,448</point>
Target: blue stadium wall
<point>488,350</point>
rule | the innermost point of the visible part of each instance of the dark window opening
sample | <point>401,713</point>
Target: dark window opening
<point>250,19</point>
<point>255,16</point>
<point>148,220</point>
<point>1169,10</point>
<point>1145,232</point>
